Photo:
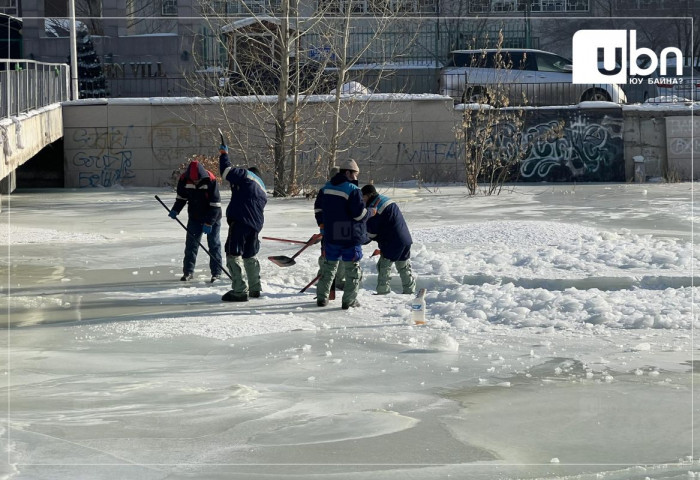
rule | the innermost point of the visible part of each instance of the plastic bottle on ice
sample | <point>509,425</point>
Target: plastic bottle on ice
<point>418,308</point>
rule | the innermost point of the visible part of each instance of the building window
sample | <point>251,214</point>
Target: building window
<point>8,7</point>
<point>644,4</point>
<point>479,6</point>
<point>500,6</point>
<point>376,7</point>
<point>55,9</point>
<point>577,5</point>
<point>247,7</point>
<point>169,8</point>
<point>344,7</point>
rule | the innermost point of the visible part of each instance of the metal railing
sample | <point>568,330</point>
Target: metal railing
<point>27,85</point>
<point>162,87</point>
<point>414,79</point>
<point>499,91</point>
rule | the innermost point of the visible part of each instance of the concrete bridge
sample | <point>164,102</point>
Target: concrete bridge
<point>30,110</point>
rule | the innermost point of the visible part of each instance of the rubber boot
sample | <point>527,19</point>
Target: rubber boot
<point>340,276</point>
<point>239,285</point>
<point>252,271</point>
<point>323,287</point>
<point>408,281</point>
<point>383,275</point>
<point>353,277</point>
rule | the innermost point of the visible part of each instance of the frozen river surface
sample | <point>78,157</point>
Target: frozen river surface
<point>560,343</point>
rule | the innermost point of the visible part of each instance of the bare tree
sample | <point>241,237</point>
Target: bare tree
<point>347,54</point>
<point>490,134</point>
<point>270,58</point>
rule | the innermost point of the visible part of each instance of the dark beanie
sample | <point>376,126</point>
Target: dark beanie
<point>369,190</point>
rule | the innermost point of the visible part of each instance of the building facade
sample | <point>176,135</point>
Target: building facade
<point>148,47</point>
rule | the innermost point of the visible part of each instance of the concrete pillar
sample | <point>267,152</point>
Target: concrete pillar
<point>9,183</point>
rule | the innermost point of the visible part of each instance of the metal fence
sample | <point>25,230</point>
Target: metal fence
<point>27,85</point>
<point>407,78</point>
<point>146,87</point>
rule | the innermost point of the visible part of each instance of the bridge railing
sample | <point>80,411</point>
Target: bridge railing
<point>28,85</point>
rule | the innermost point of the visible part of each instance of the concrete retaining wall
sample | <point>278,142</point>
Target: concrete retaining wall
<point>140,142</point>
<point>664,136</point>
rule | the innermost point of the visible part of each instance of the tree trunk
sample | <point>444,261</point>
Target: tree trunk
<point>280,149</point>
<point>342,75</point>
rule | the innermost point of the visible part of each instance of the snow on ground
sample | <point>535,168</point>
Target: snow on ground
<point>559,318</point>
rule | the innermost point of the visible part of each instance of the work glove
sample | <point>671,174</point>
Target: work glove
<point>320,229</point>
<point>223,149</point>
<point>172,214</point>
<point>206,228</point>
<point>372,212</point>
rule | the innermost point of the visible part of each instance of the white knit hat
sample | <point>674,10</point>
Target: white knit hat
<point>349,165</point>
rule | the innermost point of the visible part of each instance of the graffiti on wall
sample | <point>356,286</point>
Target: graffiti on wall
<point>553,145</point>
<point>103,158</point>
<point>103,171</point>
<point>587,149</point>
<point>107,156</point>
<point>172,140</point>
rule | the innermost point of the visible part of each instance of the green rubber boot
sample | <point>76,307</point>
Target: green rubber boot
<point>252,270</point>
<point>384,275</point>
<point>408,281</point>
<point>323,288</point>
<point>236,266</point>
<point>353,277</point>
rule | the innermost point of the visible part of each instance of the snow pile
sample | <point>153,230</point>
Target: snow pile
<point>548,250</point>
<point>522,234</point>
<point>468,307</point>
<point>352,88</point>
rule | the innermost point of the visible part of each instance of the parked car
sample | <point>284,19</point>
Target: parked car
<point>518,77</point>
<point>643,91</point>
<point>265,81</point>
<point>686,86</point>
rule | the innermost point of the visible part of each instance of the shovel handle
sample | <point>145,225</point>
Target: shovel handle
<point>223,269</point>
<point>315,238</point>
<point>301,242</point>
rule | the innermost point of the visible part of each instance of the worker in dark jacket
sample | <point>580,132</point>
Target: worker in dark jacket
<point>388,228</point>
<point>245,218</point>
<point>340,273</point>
<point>197,187</point>
<point>341,211</point>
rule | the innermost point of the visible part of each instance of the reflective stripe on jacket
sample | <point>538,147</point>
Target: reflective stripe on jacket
<point>197,187</point>
<point>388,228</point>
<point>341,211</point>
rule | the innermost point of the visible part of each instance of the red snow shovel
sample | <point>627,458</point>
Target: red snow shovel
<point>284,261</point>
